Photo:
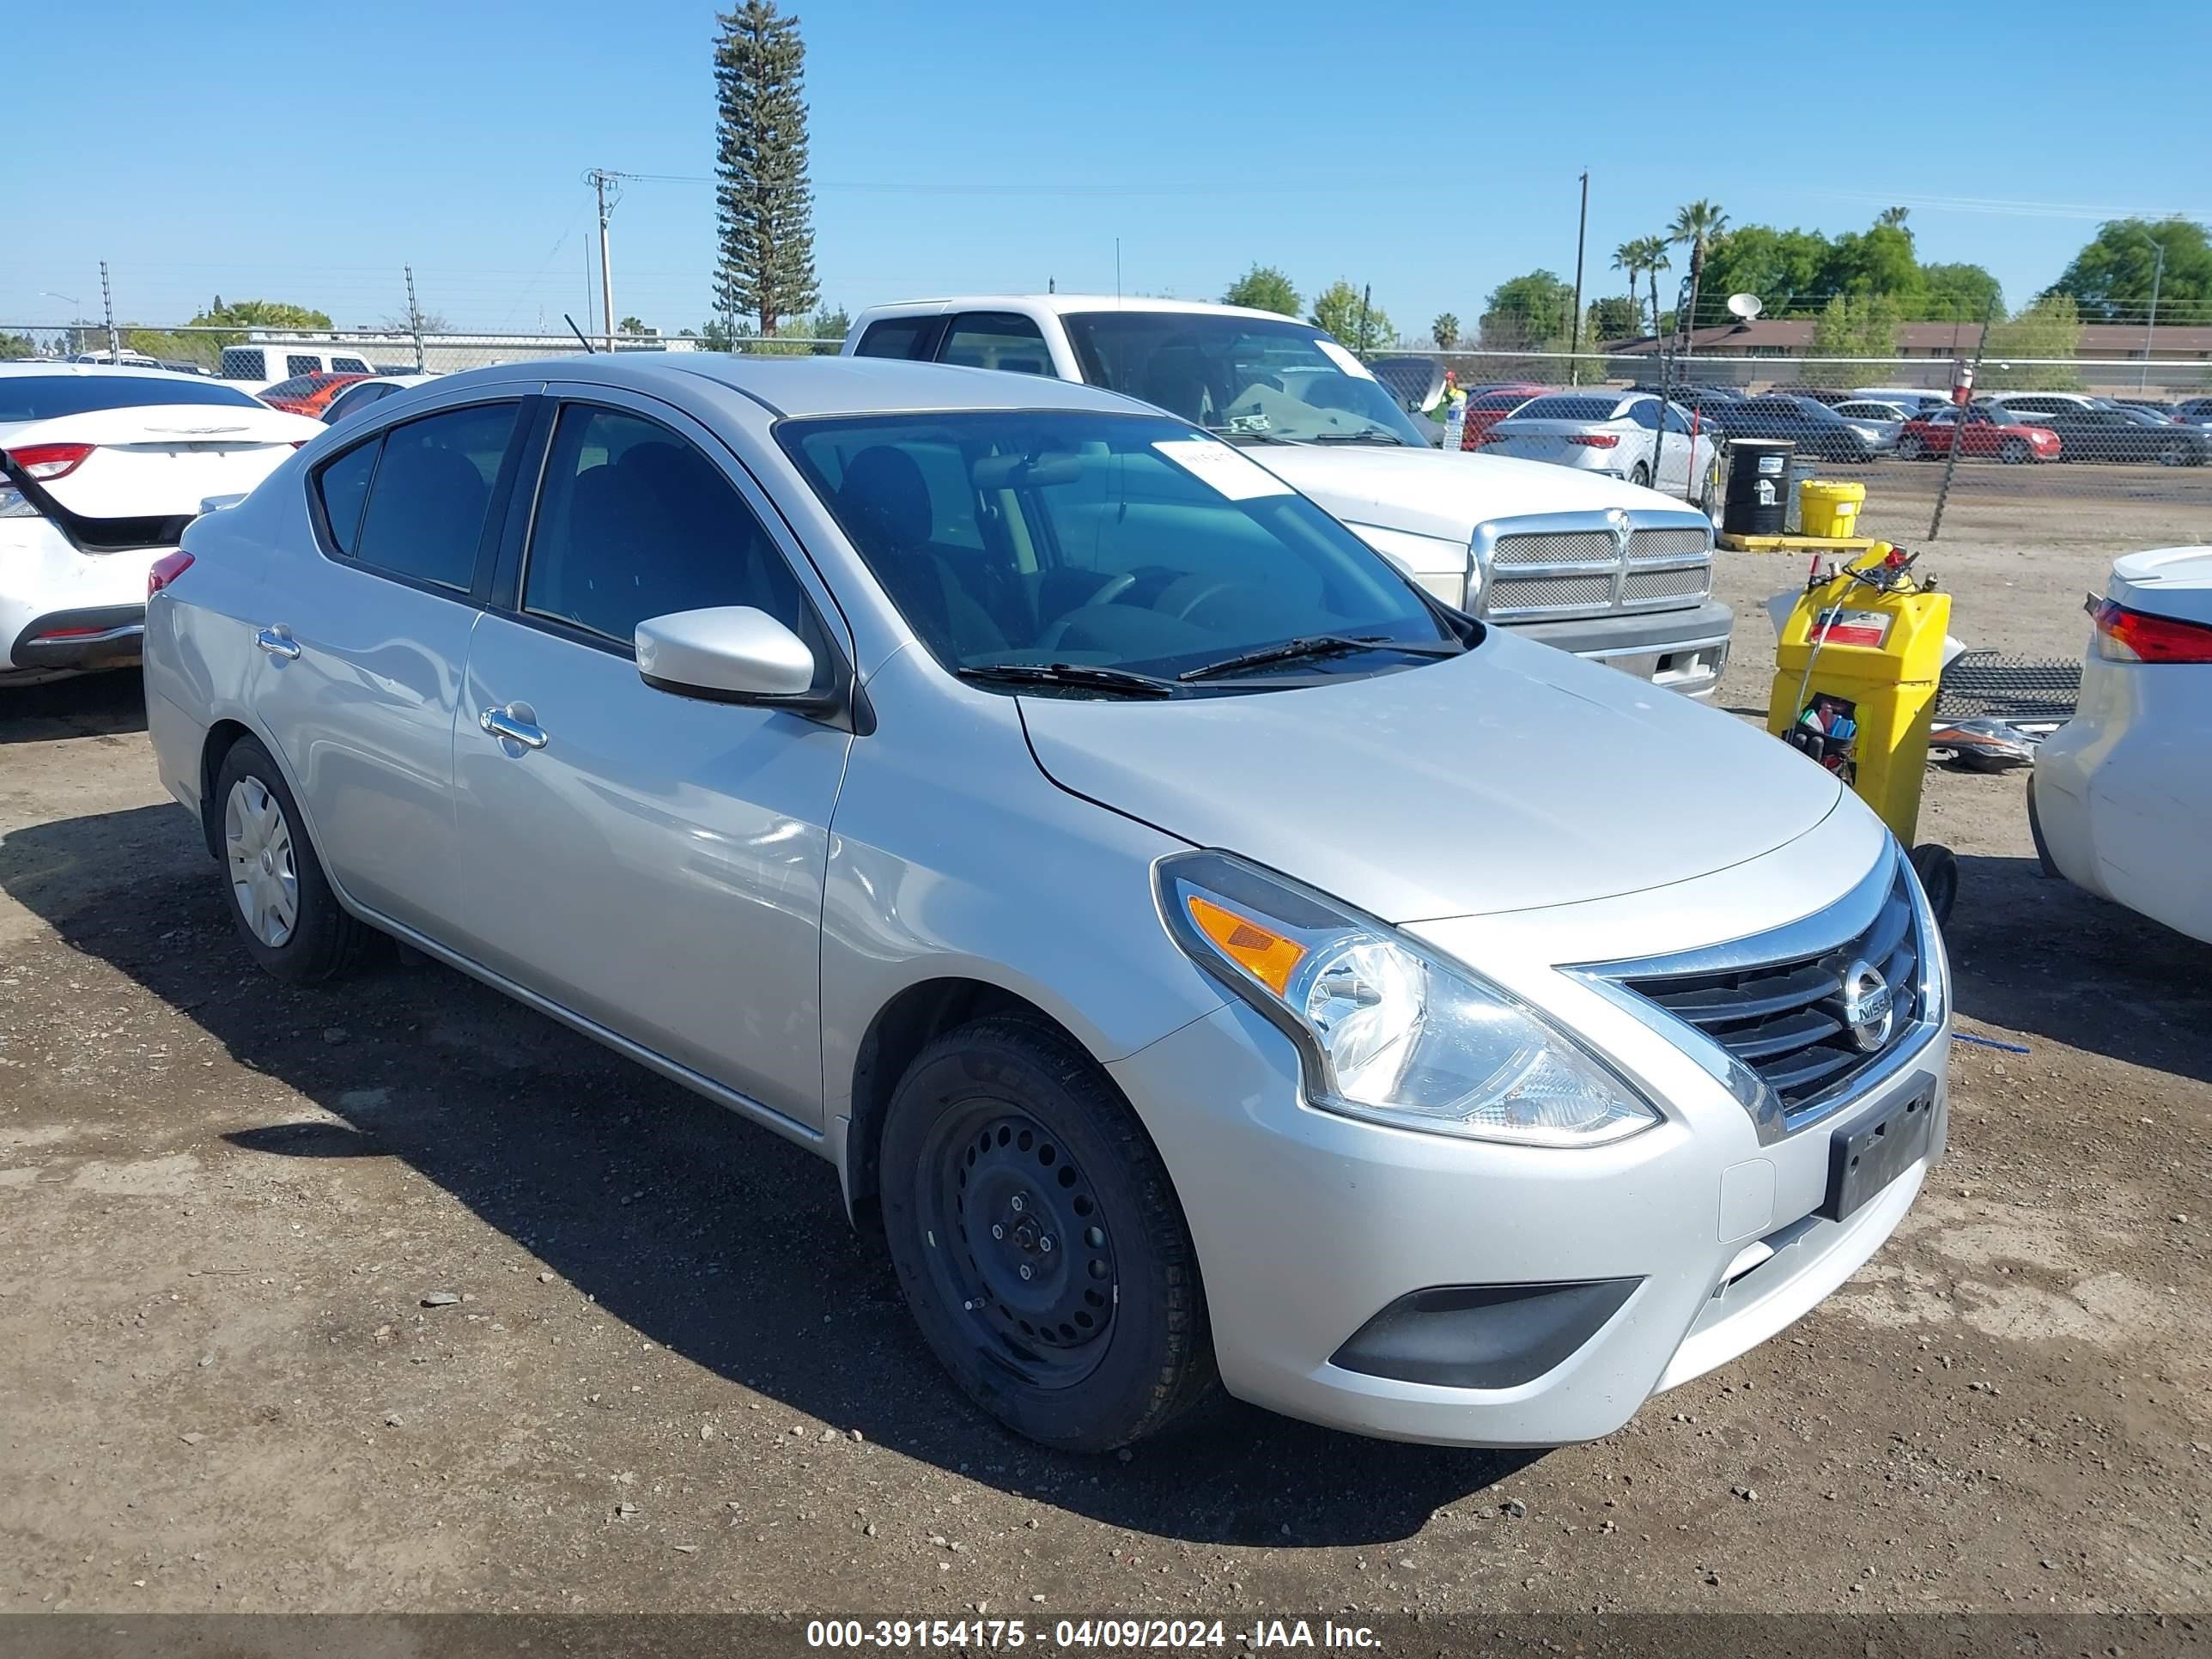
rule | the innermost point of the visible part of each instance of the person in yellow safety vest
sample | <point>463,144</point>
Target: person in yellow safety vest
<point>1455,412</point>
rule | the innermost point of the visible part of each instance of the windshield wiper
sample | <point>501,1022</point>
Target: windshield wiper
<point>1257,437</point>
<point>1373,434</point>
<point>1089,675</point>
<point>1318,645</point>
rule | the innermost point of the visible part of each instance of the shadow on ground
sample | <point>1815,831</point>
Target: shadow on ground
<point>2038,956</point>
<point>90,706</point>
<point>709,1235</point>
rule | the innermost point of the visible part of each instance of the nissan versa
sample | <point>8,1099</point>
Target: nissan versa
<point>1214,962</point>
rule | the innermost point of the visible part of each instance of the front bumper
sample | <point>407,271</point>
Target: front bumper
<point>1683,650</point>
<point>1308,1225</point>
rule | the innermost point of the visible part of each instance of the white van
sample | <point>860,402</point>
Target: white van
<point>256,366</point>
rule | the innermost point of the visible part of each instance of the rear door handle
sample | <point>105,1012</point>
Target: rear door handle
<point>512,726</point>
<point>277,642</point>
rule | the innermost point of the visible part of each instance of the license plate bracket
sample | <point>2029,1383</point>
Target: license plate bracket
<point>1867,1154</point>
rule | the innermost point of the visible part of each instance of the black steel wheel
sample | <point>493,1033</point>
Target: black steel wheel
<point>1038,1240</point>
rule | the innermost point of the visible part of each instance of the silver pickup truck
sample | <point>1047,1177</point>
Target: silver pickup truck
<point>1596,566</point>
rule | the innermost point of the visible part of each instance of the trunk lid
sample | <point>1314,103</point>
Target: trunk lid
<point>1508,779</point>
<point>1550,441</point>
<point>160,461</point>
<point>2166,581</point>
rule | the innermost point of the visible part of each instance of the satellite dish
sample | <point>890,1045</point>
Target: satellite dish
<point>1744,306</point>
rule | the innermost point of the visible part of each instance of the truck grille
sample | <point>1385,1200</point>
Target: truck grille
<point>1582,565</point>
<point>1785,1018</point>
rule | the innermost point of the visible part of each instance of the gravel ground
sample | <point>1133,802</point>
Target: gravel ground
<point>399,1297</point>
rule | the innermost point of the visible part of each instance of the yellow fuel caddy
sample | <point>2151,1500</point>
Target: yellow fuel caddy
<point>1857,666</point>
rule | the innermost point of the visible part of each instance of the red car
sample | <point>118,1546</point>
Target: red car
<point>1987,433</point>
<point>1491,404</point>
<point>307,394</point>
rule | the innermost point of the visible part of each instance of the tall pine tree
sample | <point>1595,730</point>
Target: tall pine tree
<point>763,203</point>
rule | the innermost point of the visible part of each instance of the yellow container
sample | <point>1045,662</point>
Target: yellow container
<point>1826,508</point>
<point>1854,685</point>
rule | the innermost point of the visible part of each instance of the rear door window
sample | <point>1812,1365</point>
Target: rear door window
<point>244,363</point>
<point>431,494</point>
<point>300,363</point>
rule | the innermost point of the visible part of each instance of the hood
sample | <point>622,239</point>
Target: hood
<point>1513,777</point>
<point>1442,493</point>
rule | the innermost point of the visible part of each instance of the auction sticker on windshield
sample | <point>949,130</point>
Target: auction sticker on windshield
<point>1344,360</point>
<point>1221,467</point>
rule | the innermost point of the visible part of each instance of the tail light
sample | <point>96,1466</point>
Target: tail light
<point>46,462</point>
<point>2125,636</point>
<point>1595,440</point>
<point>166,569</point>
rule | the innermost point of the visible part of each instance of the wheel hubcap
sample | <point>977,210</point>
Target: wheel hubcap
<point>1024,1248</point>
<point>257,847</point>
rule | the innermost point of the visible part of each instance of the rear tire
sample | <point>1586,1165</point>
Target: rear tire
<point>1039,1240</point>
<point>281,902</point>
<point>1642,476</point>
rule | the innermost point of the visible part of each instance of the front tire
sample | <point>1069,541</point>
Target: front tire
<point>1910,449</point>
<point>1039,1240</point>
<point>281,902</point>
<point>2015,452</point>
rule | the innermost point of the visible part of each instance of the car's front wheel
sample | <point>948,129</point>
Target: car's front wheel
<point>2015,451</point>
<point>1039,1242</point>
<point>1910,448</point>
<point>280,900</point>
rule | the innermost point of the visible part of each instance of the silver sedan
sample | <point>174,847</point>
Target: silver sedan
<point>1212,962</point>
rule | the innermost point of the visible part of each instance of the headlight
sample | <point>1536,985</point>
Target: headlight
<point>1934,962</point>
<point>1387,1031</point>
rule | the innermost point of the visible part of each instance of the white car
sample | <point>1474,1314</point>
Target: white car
<point>1623,435</point>
<point>362,393</point>
<point>2122,792</point>
<point>100,471</point>
<point>1912,399</point>
<point>256,367</point>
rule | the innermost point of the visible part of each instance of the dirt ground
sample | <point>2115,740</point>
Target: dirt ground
<point>674,1379</point>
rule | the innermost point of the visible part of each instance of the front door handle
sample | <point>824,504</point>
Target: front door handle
<point>512,725</point>
<point>277,642</point>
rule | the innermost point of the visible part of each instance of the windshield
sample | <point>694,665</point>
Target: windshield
<point>43,397</point>
<point>1106,540</point>
<point>1245,376</point>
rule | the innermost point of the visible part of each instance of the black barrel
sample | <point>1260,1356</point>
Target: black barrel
<point>1758,487</point>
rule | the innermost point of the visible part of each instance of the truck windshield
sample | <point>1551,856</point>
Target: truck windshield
<point>1077,538</point>
<point>1240,376</point>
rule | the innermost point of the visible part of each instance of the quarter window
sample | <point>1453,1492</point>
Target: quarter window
<point>897,337</point>
<point>635,522</point>
<point>344,486</point>
<point>299,365</point>
<point>432,489</point>
<point>349,366</point>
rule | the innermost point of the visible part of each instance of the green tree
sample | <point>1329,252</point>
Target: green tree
<point>1338,309</point>
<point>1876,261</point>
<point>1617,319</point>
<point>632,326</point>
<point>13,346</point>
<point>2111,279</point>
<point>764,206</point>
<point>1530,311</point>
<point>1894,218</point>
<point>1855,327</point>
<point>1445,331</point>
<point>1786,268</point>
<point>1958,293</point>
<point>2051,328</point>
<point>1698,225</point>
<point>260,314</point>
<point>1646,256</point>
<point>1263,287</point>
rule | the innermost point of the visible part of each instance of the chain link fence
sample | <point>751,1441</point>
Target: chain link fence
<point>2077,451</point>
<point>2112,451</point>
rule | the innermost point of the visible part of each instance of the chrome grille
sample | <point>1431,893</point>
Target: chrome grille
<point>1558,547</point>
<point>1642,585</point>
<point>1644,545</point>
<point>1785,1019</point>
<point>1510,594</point>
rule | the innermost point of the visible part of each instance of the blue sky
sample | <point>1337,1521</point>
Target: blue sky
<point>306,153</point>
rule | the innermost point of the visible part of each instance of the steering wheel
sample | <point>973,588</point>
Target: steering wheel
<point>1181,612</point>
<point>1113,589</point>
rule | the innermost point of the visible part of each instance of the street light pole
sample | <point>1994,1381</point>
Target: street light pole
<point>2150,326</point>
<point>1574,339</point>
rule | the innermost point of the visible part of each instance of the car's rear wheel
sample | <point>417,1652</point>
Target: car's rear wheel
<point>2014,451</point>
<point>280,900</point>
<point>1641,475</point>
<point>1039,1242</point>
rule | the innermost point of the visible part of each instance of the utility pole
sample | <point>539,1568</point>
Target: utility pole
<point>1575,340</point>
<point>107,304</point>
<point>2150,327</point>
<point>414,318</point>
<point>1365,290</point>
<point>599,178</point>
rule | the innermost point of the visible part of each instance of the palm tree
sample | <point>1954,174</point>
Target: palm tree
<point>1643,254</point>
<point>1700,224</point>
<point>1894,218</point>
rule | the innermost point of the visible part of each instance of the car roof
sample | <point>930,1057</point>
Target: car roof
<point>816,386</point>
<point>33,366</point>
<point>1064,303</point>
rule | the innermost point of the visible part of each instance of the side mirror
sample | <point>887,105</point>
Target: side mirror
<point>730,653</point>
